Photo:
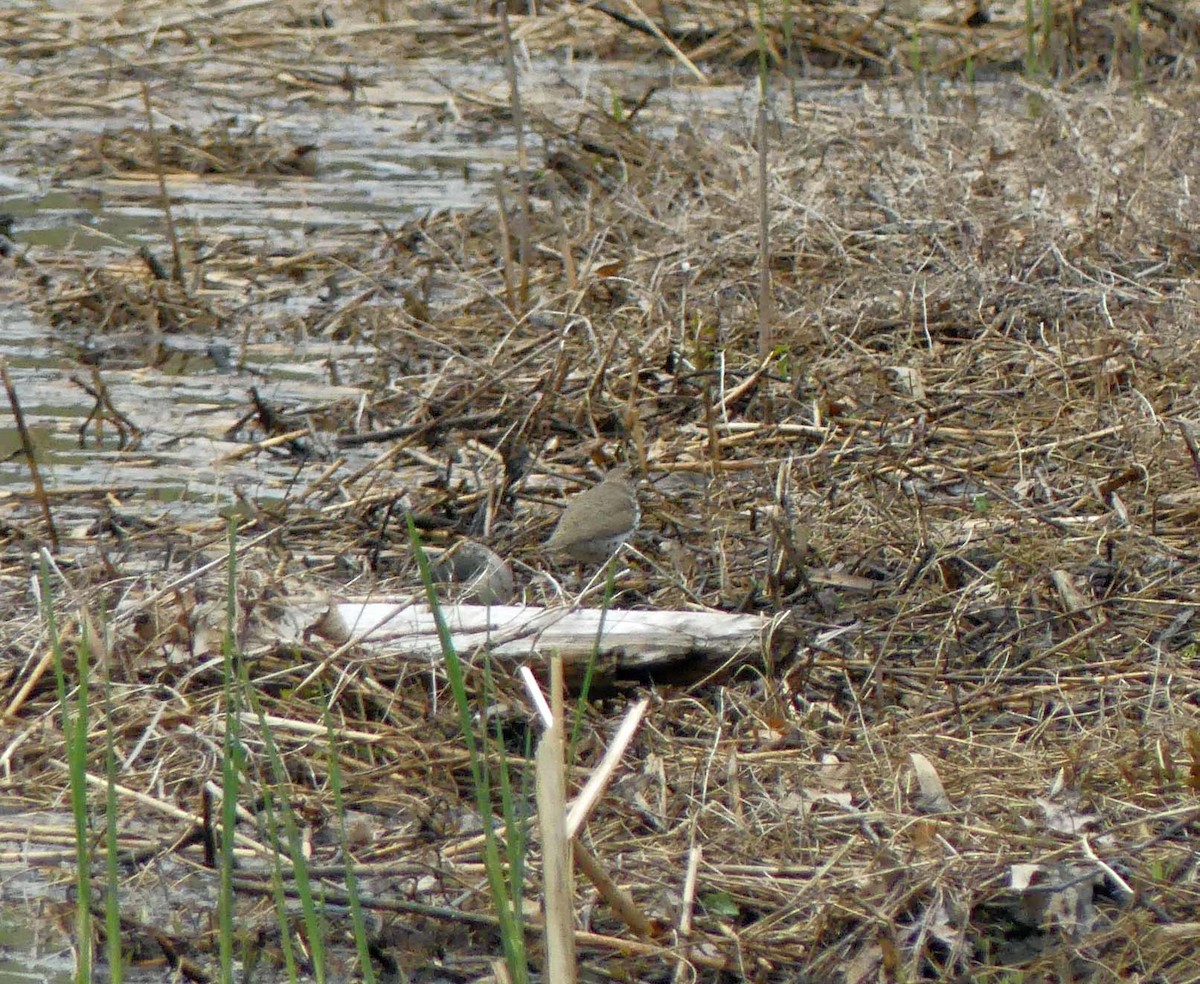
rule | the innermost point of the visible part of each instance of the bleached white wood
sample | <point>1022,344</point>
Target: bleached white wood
<point>518,631</point>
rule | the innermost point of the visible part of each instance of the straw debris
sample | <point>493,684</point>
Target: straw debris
<point>964,480</point>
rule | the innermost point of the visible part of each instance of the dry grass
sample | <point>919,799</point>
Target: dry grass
<point>967,478</point>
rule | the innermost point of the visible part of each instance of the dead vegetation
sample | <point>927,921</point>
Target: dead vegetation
<point>966,479</point>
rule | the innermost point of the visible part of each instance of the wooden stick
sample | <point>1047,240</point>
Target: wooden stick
<point>164,197</point>
<point>518,115</point>
<point>39,490</point>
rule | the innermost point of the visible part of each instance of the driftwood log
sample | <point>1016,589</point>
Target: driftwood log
<point>629,646</point>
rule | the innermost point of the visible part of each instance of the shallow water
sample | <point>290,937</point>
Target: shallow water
<point>403,147</point>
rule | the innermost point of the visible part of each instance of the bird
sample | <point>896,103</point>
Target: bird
<point>598,520</point>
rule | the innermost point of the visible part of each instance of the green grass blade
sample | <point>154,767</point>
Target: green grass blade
<point>75,734</point>
<point>357,920</point>
<point>610,591</point>
<point>112,898</point>
<point>314,923</point>
<point>232,767</point>
<point>269,827</point>
<point>511,934</point>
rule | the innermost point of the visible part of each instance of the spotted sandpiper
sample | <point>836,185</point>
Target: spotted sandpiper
<point>598,520</point>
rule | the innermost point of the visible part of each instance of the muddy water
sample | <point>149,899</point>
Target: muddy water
<point>373,169</point>
<point>400,149</point>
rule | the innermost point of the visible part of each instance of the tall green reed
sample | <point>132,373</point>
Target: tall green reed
<point>504,883</point>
